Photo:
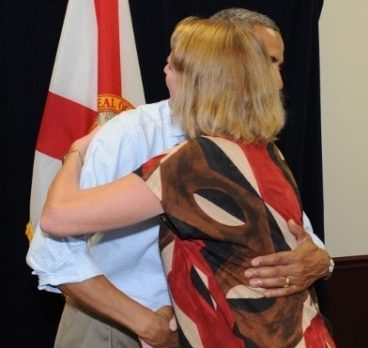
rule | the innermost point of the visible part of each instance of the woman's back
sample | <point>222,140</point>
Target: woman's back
<point>226,203</point>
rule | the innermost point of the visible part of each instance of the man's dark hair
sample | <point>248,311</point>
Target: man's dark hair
<point>245,17</point>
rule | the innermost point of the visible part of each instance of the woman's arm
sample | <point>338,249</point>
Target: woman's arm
<point>71,211</point>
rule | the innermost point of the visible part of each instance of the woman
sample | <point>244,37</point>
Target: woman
<point>223,197</point>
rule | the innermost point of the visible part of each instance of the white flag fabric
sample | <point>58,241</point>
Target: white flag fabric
<point>95,73</point>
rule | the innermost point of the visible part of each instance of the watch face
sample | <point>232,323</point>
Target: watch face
<point>330,269</point>
<point>331,266</point>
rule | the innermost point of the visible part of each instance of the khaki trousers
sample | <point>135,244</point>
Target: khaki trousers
<point>80,329</point>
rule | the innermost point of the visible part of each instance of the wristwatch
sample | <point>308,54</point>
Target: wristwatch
<point>331,267</point>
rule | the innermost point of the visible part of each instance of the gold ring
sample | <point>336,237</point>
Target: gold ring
<point>287,282</point>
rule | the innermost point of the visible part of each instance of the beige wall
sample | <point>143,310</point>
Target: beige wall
<point>344,93</point>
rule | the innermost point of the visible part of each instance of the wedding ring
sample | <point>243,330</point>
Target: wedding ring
<point>287,282</point>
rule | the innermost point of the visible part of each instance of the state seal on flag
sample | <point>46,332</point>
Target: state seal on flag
<point>108,105</point>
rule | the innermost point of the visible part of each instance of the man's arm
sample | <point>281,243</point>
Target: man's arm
<point>68,261</point>
<point>112,153</point>
<point>301,266</point>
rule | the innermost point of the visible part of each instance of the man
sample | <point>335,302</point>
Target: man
<point>272,274</point>
<point>98,274</point>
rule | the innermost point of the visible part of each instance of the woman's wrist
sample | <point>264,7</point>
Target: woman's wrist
<point>73,151</point>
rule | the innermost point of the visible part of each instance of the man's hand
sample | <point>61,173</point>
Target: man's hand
<point>162,331</point>
<point>288,272</point>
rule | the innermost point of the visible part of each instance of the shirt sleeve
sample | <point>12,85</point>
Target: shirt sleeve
<point>59,260</point>
<point>308,228</point>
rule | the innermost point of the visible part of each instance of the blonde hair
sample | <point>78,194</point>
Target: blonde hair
<point>225,85</point>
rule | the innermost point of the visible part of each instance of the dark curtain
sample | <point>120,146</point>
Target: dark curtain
<point>29,35</point>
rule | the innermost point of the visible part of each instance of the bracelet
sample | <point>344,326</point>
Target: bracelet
<point>73,151</point>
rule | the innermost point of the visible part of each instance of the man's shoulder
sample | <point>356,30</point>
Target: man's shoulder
<point>149,122</point>
<point>158,112</point>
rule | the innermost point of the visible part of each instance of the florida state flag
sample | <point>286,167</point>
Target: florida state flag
<point>95,76</point>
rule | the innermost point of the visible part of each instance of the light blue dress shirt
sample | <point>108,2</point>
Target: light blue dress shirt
<point>128,257</point>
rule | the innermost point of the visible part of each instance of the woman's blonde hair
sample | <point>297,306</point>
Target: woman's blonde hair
<point>225,85</point>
